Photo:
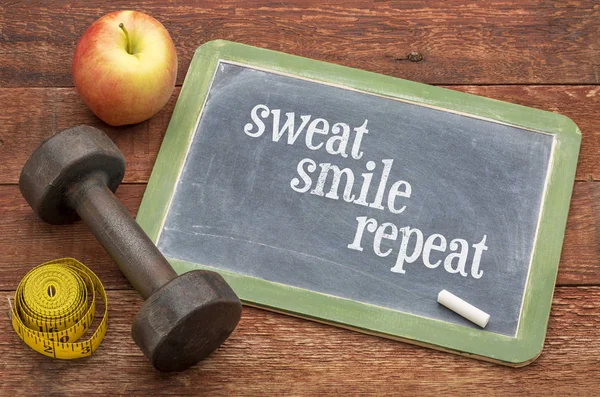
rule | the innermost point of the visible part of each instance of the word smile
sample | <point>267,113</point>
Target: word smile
<point>330,181</point>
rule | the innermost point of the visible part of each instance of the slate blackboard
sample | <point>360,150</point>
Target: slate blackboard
<point>440,199</point>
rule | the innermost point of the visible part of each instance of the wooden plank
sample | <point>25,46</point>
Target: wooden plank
<point>27,241</point>
<point>30,115</point>
<point>272,354</point>
<point>500,42</point>
<point>580,259</point>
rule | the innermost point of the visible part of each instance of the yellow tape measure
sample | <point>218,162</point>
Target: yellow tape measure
<point>55,304</point>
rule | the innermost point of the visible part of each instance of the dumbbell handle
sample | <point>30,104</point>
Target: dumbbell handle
<point>124,240</point>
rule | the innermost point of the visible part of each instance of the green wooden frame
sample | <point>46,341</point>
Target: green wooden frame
<point>513,351</point>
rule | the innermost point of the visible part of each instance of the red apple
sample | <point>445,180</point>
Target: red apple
<point>125,66</point>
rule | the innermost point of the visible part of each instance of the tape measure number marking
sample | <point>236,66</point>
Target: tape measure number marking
<point>55,304</point>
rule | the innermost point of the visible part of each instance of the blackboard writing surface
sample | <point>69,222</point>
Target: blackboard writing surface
<point>234,207</point>
<point>358,197</point>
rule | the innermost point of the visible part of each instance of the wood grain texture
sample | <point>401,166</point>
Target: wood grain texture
<point>28,241</point>
<point>29,116</point>
<point>35,114</point>
<point>272,354</point>
<point>550,49</point>
<point>499,42</point>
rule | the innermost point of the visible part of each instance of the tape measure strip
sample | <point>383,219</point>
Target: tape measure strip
<point>55,304</point>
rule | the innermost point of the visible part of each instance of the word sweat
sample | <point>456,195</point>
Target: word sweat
<point>454,255</point>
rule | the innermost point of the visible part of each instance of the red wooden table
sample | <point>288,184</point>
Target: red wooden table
<point>544,54</point>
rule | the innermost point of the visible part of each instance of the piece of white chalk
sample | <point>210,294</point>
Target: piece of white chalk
<point>463,308</point>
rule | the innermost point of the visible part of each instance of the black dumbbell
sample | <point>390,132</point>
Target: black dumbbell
<point>73,175</point>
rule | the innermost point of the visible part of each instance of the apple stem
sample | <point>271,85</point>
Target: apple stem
<point>127,37</point>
